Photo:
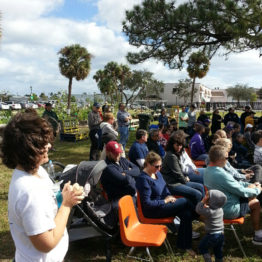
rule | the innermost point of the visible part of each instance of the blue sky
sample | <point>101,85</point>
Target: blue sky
<point>77,10</point>
<point>35,30</point>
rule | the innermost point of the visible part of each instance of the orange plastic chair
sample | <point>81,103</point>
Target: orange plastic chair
<point>166,220</point>
<point>198,163</point>
<point>231,223</point>
<point>133,233</point>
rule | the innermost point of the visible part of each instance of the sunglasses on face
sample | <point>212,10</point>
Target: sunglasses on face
<point>157,166</point>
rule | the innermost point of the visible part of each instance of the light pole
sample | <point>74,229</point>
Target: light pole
<point>31,93</point>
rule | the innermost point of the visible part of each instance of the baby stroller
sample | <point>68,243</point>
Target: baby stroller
<point>94,217</point>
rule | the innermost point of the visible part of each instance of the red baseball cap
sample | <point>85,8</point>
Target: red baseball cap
<point>113,147</point>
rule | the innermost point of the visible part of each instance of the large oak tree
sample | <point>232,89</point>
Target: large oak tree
<point>169,32</point>
<point>240,92</point>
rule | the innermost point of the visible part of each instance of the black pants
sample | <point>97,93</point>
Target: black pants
<point>94,150</point>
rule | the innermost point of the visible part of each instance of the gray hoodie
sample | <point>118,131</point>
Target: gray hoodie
<point>213,213</point>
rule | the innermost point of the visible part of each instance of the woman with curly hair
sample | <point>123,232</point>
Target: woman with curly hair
<point>37,226</point>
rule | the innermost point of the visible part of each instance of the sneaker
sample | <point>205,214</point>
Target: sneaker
<point>257,240</point>
<point>191,253</point>
<point>195,235</point>
<point>177,221</point>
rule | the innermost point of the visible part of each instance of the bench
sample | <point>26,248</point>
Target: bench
<point>70,131</point>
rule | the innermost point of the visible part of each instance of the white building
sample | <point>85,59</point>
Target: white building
<point>203,94</point>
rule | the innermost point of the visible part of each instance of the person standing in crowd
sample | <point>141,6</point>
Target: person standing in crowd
<point>250,119</point>
<point>243,117</point>
<point>216,121</point>
<point>231,117</point>
<point>51,117</point>
<point>108,132</point>
<point>203,118</point>
<point>191,120</point>
<point>105,108</point>
<point>163,119</point>
<point>94,120</point>
<point>138,151</point>
<point>123,121</point>
<point>241,196</point>
<point>211,208</point>
<point>183,119</point>
<point>37,226</point>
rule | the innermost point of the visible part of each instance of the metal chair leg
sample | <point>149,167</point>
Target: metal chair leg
<point>108,250</point>
<point>150,259</point>
<point>131,251</point>
<point>238,241</point>
<point>148,253</point>
<point>169,250</point>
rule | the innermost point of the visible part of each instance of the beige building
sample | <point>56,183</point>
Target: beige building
<point>203,94</point>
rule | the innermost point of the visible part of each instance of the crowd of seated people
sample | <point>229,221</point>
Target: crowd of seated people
<point>161,172</point>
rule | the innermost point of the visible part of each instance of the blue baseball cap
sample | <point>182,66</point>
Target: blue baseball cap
<point>97,105</point>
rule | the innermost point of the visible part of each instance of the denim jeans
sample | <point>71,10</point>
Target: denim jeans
<point>198,178</point>
<point>191,190</point>
<point>202,157</point>
<point>214,241</point>
<point>183,209</point>
<point>123,131</point>
<point>94,149</point>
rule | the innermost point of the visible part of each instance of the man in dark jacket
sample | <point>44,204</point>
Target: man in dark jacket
<point>118,178</point>
<point>94,120</point>
<point>243,117</point>
<point>231,117</point>
<point>51,117</point>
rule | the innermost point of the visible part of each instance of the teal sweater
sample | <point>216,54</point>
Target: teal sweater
<point>218,178</point>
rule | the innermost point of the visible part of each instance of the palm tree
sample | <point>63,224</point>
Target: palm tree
<point>104,83</point>
<point>74,62</point>
<point>123,74</point>
<point>112,70</point>
<point>198,66</point>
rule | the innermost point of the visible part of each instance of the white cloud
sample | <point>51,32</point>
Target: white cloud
<point>29,52</point>
<point>113,12</point>
<point>27,9</point>
<point>31,41</point>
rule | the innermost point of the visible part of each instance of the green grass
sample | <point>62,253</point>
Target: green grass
<point>94,249</point>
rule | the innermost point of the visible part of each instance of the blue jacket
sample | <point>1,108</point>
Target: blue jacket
<point>197,146</point>
<point>217,178</point>
<point>152,193</point>
<point>115,183</point>
<point>163,119</point>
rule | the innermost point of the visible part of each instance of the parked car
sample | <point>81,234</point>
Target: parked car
<point>24,105</point>
<point>41,104</point>
<point>13,105</point>
<point>33,105</point>
<point>4,106</point>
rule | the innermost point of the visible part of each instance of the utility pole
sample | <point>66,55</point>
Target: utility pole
<point>31,93</point>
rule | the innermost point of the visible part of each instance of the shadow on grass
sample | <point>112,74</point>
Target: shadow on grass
<point>7,248</point>
<point>4,196</point>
